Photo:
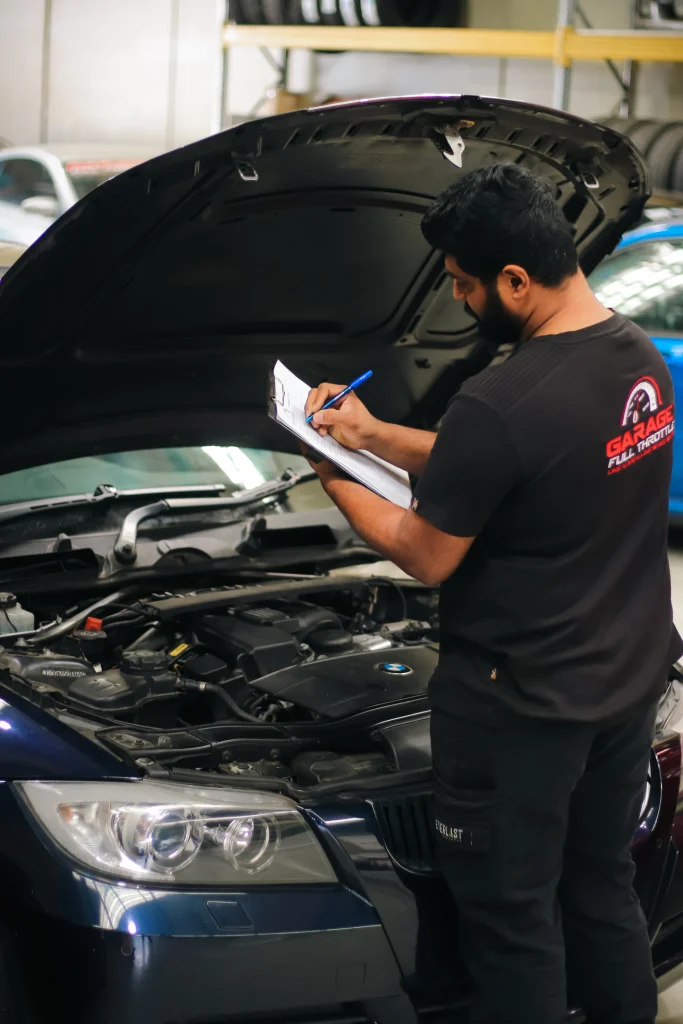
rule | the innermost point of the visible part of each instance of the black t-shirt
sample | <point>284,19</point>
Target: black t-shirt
<point>558,461</point>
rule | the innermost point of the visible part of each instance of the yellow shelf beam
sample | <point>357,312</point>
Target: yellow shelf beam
<point>562,47</point>
<point>658,47</point>
<point>475,42</point>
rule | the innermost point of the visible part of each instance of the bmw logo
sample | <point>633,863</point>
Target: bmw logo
<point>394,668</point>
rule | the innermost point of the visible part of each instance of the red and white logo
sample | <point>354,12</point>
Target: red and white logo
<point>646,425</point>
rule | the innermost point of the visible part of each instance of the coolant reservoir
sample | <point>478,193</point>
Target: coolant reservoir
<point>14,618</point>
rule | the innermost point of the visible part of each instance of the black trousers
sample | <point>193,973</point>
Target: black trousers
<point>534,821</point>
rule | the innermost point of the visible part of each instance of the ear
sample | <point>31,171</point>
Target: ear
<point>514,281</point>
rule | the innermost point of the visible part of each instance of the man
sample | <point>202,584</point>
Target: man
<point>541,509</point>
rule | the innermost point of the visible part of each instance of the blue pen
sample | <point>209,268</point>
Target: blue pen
<point>342,394</point>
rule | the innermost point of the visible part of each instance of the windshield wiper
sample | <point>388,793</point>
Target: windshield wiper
<point>102,494</point>
<point>125,549</point>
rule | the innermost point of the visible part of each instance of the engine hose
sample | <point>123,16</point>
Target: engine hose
<point>122,619</point>
<point>153,639</point>
<point>76,620</point>
<point>123,616</point>
<point>193,686</point>
<point>314,619</point>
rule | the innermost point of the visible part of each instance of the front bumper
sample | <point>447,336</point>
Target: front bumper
<point>378,946</point>
<point>92,976</point>
<point>99,952</point>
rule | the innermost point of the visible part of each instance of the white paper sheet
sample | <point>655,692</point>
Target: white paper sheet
<point>287,409</point>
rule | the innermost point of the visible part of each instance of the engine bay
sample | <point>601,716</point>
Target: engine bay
<point>296,683</point>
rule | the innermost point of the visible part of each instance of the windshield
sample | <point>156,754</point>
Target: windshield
<point>645,283</point>
<point>235,467</point>
<point>87,182</point>
<point>85,175</point>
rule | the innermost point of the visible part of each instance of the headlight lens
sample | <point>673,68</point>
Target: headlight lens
<point>160,832</point>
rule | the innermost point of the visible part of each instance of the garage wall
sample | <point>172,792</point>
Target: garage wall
<point>128,71</point>
<point>21,35</point>
<point>149,70</point>
<point>594,92</point>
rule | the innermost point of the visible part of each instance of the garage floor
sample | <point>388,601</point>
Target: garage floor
<point>671,1006</point>
<point>676,562</point>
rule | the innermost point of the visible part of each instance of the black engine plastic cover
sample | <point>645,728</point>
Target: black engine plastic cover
<point>141,675</point>
<point>36,667</point>
<point>255,650</point>
<point>336,687</point>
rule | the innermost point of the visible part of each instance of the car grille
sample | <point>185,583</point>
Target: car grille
<point>405,823</point>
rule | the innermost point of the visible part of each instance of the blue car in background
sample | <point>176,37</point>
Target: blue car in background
<point>644,281</point>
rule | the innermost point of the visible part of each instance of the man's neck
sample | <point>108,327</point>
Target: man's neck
<point>570,307</point>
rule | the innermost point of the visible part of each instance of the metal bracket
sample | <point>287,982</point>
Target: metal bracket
<point>457,149</point>
<point>455,144</point>
<point>246,171</point>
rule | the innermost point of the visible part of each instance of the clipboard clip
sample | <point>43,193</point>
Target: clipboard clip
<point>277,391</point>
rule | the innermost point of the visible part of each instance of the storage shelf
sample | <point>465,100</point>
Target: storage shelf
<point>562,47</point>
<point>646,45</point>
<point>482,42</point>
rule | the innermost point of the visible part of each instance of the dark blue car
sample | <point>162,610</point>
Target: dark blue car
<point>214,728</point>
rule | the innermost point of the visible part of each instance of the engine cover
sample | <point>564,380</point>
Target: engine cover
<point>253,649</point>
<point>36,667</point>
<point>336,687</point>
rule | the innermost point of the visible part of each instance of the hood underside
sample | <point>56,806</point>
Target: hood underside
<point>149,313</point>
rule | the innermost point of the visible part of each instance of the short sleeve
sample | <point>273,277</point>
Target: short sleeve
<point>470,469</point>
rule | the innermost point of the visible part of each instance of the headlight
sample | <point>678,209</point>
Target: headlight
<point>162,832</point>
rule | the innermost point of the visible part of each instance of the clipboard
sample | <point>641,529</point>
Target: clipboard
<point>286,400</point>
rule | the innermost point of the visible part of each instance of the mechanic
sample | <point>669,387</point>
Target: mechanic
<point>541,509</point>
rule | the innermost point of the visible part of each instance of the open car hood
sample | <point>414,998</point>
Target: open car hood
<point>149,313</point>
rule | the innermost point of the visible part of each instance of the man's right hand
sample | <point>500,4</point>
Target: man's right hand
<point>349,422</point>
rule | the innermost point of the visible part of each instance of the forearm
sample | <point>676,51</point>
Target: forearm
<point>402,536</point>
<point>377,521</point>
<point>404,447</point>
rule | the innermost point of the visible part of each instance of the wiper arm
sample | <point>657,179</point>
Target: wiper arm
<point>103,493</point>
<point>125,549</point>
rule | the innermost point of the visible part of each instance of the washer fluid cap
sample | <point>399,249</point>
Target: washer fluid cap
<point>394,668</point>
<point>8,600</point>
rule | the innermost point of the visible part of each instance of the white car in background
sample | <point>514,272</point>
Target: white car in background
<point>19,226</point>
<point>38,184</point>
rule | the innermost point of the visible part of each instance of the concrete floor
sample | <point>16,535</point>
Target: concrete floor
<point>676,563</point>
<point>671,1005</point>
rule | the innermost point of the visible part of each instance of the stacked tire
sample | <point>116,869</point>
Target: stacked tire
<point>661,143</point>
<point>659,11</point>
<point>352,13</point>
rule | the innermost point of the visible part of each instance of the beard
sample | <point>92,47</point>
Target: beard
<point>497,325</point>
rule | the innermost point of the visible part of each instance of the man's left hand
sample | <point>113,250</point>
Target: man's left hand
<point>325,469</point>
<point>405,538</point>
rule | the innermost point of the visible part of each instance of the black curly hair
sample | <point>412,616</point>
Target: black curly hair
<point>500,215</point>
